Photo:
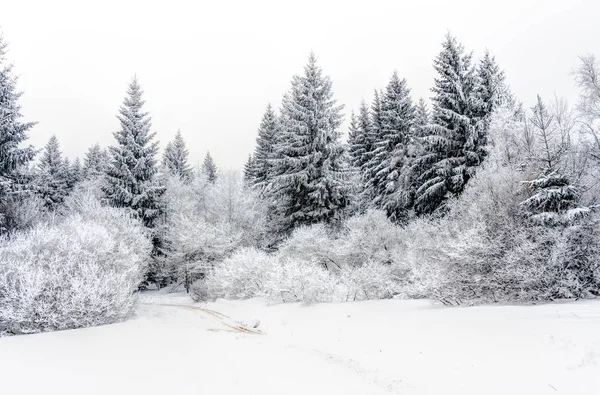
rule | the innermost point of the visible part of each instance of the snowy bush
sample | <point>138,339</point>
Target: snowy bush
<point>487,250</point>
<point>79,271</point>
<point>369,237</point>
<point>294,280</point>
<point>314,244</point>
<point>206,222</point>
<point>242,275</point>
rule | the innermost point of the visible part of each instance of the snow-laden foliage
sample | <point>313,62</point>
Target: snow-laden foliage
<point>315,265</point>
<point>13,133</point>
<point>131,180</point>
<point>206,222</point>
<point>264,152</point>
<point>96,162</point>
<point>388,161</point>
<point>485,250</point>
<point>454,143</point>
<point>175,157</point>
<point>78,271</point>
<point>308,184</point>
<point>209,168</point>
<point>53,181</point>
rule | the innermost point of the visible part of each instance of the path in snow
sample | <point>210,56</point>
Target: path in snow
<point>375,347</point>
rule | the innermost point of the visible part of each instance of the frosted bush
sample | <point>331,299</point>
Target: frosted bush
<point>371,280</point>
<point>370,237</point>
<point>296,280</point>
<point>205,222</point>
<point>80,271</point>
<point>313,243</point>
<point>242,275</point>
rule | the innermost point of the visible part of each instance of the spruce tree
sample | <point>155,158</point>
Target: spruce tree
<point>454,146</point>
<point>175,157</point>
<point>131,178</point>
<point>369,164</point>
<point>249,171</point>
<point>309,167</point>
<point>389,157</point>
<point>490,88</point>
<point>13,132</point>
<point>96,162</point>
<point>209,168</point>
<point>75,174</point>
<point>53,175</point>
<point>422,118</point>
<point>360,137</point>
<point>554,197</point>
<point>265,147</point>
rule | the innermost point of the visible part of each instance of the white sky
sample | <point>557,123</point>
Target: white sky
<point>209,68</point>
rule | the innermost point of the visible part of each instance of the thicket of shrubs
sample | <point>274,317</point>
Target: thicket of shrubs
<point>79,269</point>
<point>489,247</point>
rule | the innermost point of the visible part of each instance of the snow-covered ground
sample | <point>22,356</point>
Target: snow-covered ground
<point>375,347</point>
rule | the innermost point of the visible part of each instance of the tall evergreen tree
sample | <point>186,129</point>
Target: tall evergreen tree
<point>96,162</point>
<point>369,164</point>
<point>308,184</point>
<point>422,118</point>
<point>175,157</point>
<point>265,148</point>
<point>249,170</point>
<point>454,144</point>
<point>360,137</point>
<point>554,197</point>
<point>490,88</point>
<point>131,177</point>
<point>209,168</point>
<point>13,132</point>
<point>388,161</point>
<point>53,175</point>
<point>75,173</point>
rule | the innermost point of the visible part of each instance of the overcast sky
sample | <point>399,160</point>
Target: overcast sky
<point>210,68</point>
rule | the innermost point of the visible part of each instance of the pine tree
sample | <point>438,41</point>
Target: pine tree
<point>13,133</point>
<point>249,171</point>
<point>454,146</point>
<point>265,147</point>
<point>96,162</point>
<point>209,168</point>
<point>308,182</point>
<point>53,175</point>
<point>175,157</point>
<point>388,161</point>
<point>131,177</point>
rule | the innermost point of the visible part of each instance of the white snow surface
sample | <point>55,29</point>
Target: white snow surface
<point>374,347</point>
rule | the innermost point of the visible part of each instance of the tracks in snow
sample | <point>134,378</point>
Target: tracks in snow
<point>216,316</point>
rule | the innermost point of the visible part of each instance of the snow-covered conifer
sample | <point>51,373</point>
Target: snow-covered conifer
<point>96,162</point>
<point>249,170</point>
<point>308,182</point>
<point>554,198</point>
<point>422,118</point>
<point>388,161</point>
<point>454,146</point>
<point>175,157</point>
<point>209,168</point>
<point>13,132</point>
<point>131,177</point>
<point>53,175</point>
<point>265,146</point>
